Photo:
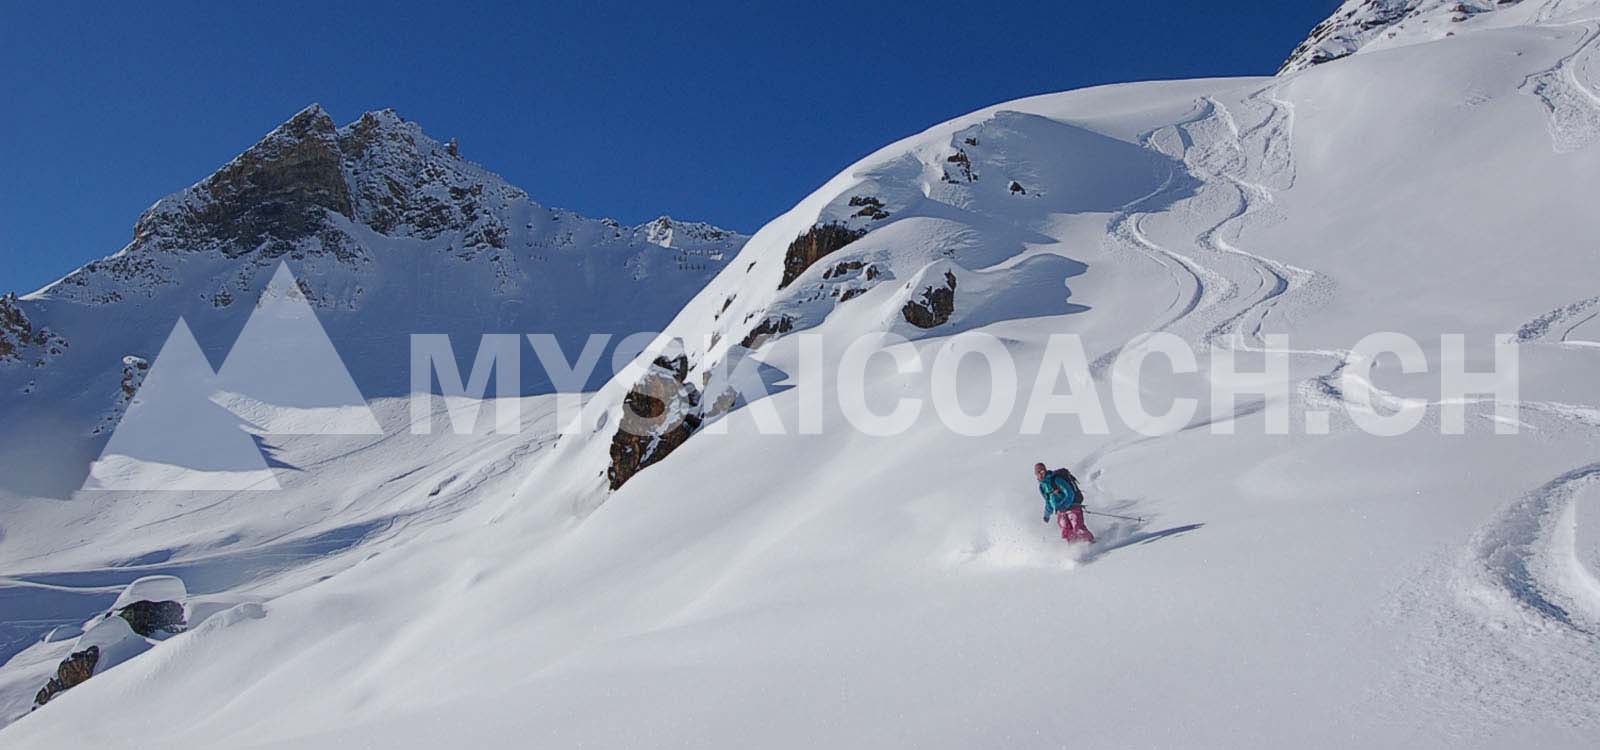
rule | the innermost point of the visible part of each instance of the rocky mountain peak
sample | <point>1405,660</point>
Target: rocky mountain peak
<point>1369,25</point>
<point>277,196</point>
<point>304,190</point>
<point>272,196</point>
<point>405,182</point>
<point>669,232</point>
<point>306,187</point>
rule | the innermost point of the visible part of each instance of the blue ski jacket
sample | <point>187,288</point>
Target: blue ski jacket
<point>1058,494</point>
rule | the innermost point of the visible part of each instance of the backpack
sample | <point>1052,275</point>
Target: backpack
<point>1073,481</point>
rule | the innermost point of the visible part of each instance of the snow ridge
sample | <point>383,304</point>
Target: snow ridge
<point>1360,26</point>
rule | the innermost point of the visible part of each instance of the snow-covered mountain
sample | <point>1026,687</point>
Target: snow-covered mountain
<point>388,232</point>
<point>714,581</point>
<point>1372,25</point>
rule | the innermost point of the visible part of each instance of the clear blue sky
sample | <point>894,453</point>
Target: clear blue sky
<point>718,111</point>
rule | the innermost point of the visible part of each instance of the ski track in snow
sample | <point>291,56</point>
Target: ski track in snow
<point>1189,287</point>
<point>1554,9</point>
<point>1508,635</point>
<point>1242,167</point>
<point>1239,166</point>
<point>1568,91</point>
<point>1246,165</point>
<point>1529,557</point>
<point>1254,198</point>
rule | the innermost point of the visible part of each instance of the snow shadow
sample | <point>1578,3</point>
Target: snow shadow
<point>1127,534</point>
<point>34,604</point>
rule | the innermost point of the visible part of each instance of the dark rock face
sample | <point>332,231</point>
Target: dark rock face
<point>1335,37</point>
<point>870,207</point>
<point>270,197</point>
<point>962,164</point>
<point>73,671</point>
<point>15,329</point>
<point>133,371</point>
<point>393,170</point>
<point>295,194</point>
<point>149,618</point>
<point>19,338</point>
<point>819,242</point>
<point>1017,188</point>
<point>659,414</point>
<point>936,305</point>
<point>1356,23</point>
<point>768,328</point>
<point>843,269</point>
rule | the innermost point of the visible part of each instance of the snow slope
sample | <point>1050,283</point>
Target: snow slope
<point>841,589</point>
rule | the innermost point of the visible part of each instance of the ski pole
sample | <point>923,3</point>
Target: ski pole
<point>1112,515</point>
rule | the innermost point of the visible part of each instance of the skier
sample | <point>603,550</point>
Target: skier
<point>1063,500</point>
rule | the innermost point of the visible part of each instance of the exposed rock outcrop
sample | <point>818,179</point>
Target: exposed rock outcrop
<point>769,327</point>
<point>133,371</point>
<point>20,339</point>
<point>669,232</point>
<point>870,207</point>
<point>406,184</point>
<point>841,270</point>
<point>269,198</point>
<point>142,616</point>
<point>1358,24</point>
<point>935,306</point>
<point>1339,35</point>
<point>962,164</point>
<point>817,243</point>
<point>72,672</point>
<point>151,619</point>
<point>659,414</point>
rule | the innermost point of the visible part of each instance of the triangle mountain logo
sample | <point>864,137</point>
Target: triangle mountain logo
<point>190,429</point>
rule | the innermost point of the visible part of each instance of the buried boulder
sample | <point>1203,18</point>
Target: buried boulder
<point>73,671</point>
<point>150,619</point>
<point>147,612</point>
